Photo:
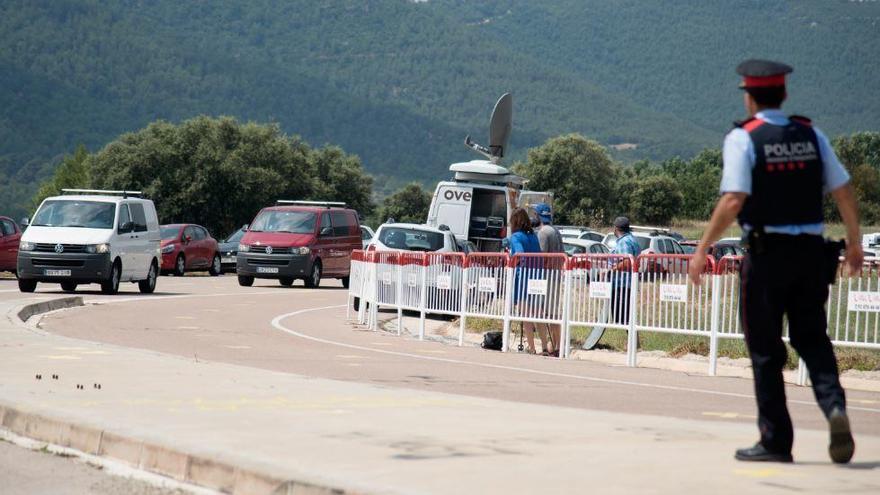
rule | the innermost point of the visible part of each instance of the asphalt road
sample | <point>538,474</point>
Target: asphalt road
<point>26,472</point>
<point>304,331</point>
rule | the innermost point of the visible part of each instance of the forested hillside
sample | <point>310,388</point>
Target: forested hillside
<point>400,83</point>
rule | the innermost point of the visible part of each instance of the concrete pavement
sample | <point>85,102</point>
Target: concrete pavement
<point>249,430</point>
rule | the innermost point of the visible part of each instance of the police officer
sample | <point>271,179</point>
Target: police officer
<point>777,169</point>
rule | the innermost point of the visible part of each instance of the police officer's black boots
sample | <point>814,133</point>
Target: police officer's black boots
<point>842,445</point>
<point>759,453</point>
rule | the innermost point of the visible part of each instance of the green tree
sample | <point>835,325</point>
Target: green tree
<point>216,172</point>
<point>72,173</point>
<point>860,154</point>
<point>340,177</point>
<point>408,204</point>
<point>580,174</point>
<point>656,200</point>
<point>698,181</point>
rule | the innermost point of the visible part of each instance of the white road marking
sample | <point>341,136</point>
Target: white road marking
<point>187,328</point>
<point>237,346</point>
<point>276,322</point>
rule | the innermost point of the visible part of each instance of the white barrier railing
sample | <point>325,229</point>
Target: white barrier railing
<point>651,293</point>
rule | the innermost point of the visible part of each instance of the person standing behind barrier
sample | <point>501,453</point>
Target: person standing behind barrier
<point>524,240</point>
<point>551,242</point>
<point>621,275</point>
<point>777,170</point>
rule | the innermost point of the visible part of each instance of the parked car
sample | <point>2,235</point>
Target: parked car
<point>305,240</point>
<point>10,236</point>
<point>366,235</point>
<point>654,243</point>
<point>188,247</point>
<point>89,236</point>
<point>583,246</point>
<point>414,237</point>
<point>569,232</point>
<point>229,249</point>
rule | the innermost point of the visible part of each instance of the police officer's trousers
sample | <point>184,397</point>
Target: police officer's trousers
<point>787,278</point>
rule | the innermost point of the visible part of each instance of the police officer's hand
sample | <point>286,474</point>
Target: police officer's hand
<point>696,266</point>
<point>854,258</point>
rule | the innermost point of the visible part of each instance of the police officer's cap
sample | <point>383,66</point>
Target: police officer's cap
<point>622,223</point>
<point>762,73</point>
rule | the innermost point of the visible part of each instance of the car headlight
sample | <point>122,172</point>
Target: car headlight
<point>26,246</point>
<point>98,248</point>
<point>168,249</point>
<point>243,248</point>
<point>302,250</point>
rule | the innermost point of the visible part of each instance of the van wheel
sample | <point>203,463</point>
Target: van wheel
<point>245,281</point>
<point>345,281</point>
<point>314,279</point>
<point>179,266</point>
<point>68,286</point>
<point>111,285</point>
<point>216,266</point>
<point>27,285</point>
<point>149,285</point>
<point>286,281</point>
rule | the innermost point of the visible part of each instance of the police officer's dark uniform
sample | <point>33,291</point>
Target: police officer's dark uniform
<point>785,166</point>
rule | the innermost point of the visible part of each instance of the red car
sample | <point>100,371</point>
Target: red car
<point>10,236</point>
<point>188,247</point>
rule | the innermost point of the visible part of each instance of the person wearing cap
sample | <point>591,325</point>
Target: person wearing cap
<point>551,242</point>
<point>621,276</point>
<point>777,169</point>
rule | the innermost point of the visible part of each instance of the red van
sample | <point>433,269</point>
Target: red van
<point>10,237</point>
<point>299,240</point>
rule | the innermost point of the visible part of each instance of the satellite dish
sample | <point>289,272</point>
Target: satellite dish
<point>499,125</point>
<point>499,130</point>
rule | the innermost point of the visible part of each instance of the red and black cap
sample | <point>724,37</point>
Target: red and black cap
<point>762,73</point>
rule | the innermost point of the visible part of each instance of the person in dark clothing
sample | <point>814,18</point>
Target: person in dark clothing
<point>777,169</point>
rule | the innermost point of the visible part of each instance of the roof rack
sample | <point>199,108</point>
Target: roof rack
<point>326,204</point>
<point>123,193</point>
<point>650,229</point>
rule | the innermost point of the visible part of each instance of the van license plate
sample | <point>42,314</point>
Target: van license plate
<point>56,273</point>
<point>267,269</point>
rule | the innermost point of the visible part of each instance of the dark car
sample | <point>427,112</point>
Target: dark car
<point>229,249</point>
<point>188,247</point>
<point>10,237</point>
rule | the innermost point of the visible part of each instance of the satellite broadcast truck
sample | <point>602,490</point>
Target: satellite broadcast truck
<point>477,202</point>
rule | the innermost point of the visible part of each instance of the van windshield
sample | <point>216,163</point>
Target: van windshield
<point>411,239</point>
<point>70,213</point>
<point>295,222</point>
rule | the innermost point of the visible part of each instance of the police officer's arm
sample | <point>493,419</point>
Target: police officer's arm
<point>728,207</point>
<point>849,212</point>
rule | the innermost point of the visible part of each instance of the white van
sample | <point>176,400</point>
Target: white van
<point>87,236</point>
<point>477,203</point>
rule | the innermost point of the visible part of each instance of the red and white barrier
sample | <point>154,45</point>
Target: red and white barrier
<point>651,293</point>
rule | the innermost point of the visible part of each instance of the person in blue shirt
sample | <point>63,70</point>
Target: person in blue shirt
<point>524,240</point>
<point>621,277</point>
<point>777,170</point>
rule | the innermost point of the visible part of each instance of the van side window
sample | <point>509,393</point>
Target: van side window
<point>325,223</point>
<point>138,217</point>
<point>340,223</point>
<point>124,218</point>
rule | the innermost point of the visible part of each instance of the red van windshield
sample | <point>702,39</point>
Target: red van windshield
<point>295,222</point>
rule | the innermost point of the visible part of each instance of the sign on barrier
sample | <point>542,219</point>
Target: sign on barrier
<point>863,301</point>
<point>673,293</point>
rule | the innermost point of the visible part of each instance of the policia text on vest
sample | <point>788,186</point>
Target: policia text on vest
<point>776,171</point>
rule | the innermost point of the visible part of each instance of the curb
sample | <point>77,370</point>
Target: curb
<point>30,310</point>
<point>157,459</point>
<point>188,468</point>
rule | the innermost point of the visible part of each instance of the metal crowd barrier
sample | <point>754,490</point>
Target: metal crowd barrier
<point>651,293</point>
